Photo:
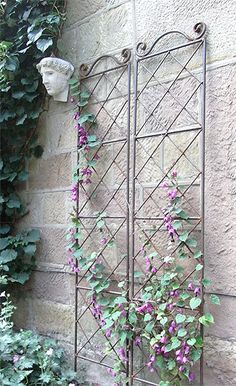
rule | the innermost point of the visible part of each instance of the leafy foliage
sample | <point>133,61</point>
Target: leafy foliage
<point>26,358</point>
<point>28,32</point>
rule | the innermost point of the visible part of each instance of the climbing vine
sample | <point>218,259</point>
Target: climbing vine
<point>167,316</point>
<point>28,32</point>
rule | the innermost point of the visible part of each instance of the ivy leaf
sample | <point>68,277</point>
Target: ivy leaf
<point>4,242</point>
<point>30,249</point>
<point>197,255</point>
<point>7,255</point>
<point>206,282</point>
<point>4,229</point>
<point>215,299</point>
<point>14,203</point>
<point>33,236</point>
<point>21,120</point>
<point>194,303</point>
<point>177,224</point>
<point>18,94</point>
<point>43,44</point>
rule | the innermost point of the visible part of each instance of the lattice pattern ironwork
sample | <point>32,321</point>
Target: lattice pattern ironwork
<point>161,129</point>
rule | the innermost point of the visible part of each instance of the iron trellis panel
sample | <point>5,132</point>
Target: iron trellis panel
<point>108,82</point>
<point>170,134</point>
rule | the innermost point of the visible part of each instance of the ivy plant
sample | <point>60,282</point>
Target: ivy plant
<point>28,32</point>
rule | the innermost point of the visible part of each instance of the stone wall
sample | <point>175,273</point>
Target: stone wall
<point>93,28</point>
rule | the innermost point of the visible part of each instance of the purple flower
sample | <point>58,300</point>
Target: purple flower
<point>104,241</point>
<point>86,172</point>
<point>108,333</point>
<point>190,287</point>
<point>154,270</point>
<point>191,377</point>
<point>148,263</point>
<point>181,368</point>
<point>170,306</point>
<point>173,194</point>
<point>74,192</point>
<point>174,174</point>
<point>137,341</point>
<point>197,291</point>
<point>77,114</point>
<point>147,307</point>
<point>122,353</point>
<point>164,339</point>
<point>164,184</point>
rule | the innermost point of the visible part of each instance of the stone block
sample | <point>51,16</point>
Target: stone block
<point>34,202</point>
<point>50,318</point>
<point>56,208</point>
<point>50,172</point>
<point>220,360</point>
<point>225,317</point>
<point>105,33</point>
<point>50,286</point>
<point>182,16</point>
<point>52,246</point>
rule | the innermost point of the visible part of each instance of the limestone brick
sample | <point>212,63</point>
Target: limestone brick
<point>52,246</point>
<point>50,173</point>
<point>56,207</point>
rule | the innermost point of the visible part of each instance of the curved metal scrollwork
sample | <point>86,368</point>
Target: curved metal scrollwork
<point>199,29</point>
<point>85,69</point>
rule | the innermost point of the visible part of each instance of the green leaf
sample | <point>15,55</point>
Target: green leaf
<point>183,237</point>
<point>196,354</point>
<point>206,282</point>
<point>18,94</point>
<point>171,364</point>
<point>147,317</point>
<point>21,277</point>
<point>191,243</point>
<point>197,255</point>
<point>4,242</point>
<point>120,300</point>
<point>194,303</point>
<point>78,253</point>
<point>180,318</point>
<point>4,229</point>
<point>133,318</point>
<point>182,332</point>
<point>149,327</point>
<point>14,203</point>
<point>199,267</point>
<point>175,343</point>
<point>21,120</point>
<point>33,236</point>
<point>7,255</point>
<point>43,44</point>
<point>30,249</point>
<point>138,274</point>
<point>206,319</point>
<point>177,224</point>
<point>23,176</point>
<point>215,299</point>
<point>191,342</point>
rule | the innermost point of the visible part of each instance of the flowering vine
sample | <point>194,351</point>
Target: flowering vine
<point>167,315</point>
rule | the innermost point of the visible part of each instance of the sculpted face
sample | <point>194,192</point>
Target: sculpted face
<point>54,81</point>
<point>56,73</point>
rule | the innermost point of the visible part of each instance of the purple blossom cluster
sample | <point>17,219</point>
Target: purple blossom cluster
<point>146,308</point>
<point>168,222</point>
<point>196,290</point>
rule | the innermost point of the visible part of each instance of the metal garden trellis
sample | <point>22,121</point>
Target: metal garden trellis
<point>160,121</point>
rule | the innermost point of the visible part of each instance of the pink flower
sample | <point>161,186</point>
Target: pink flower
<point>104,241</point>
<point>74,192</point>
<point>164,185</point>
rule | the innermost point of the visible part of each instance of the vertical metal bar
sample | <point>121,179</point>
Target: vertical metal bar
<point>128,211</point>
<point>203,118</point>
<point>76,274</point>
<point>132,219</point>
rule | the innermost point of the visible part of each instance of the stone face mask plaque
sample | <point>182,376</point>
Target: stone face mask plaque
<point>56,74</point>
